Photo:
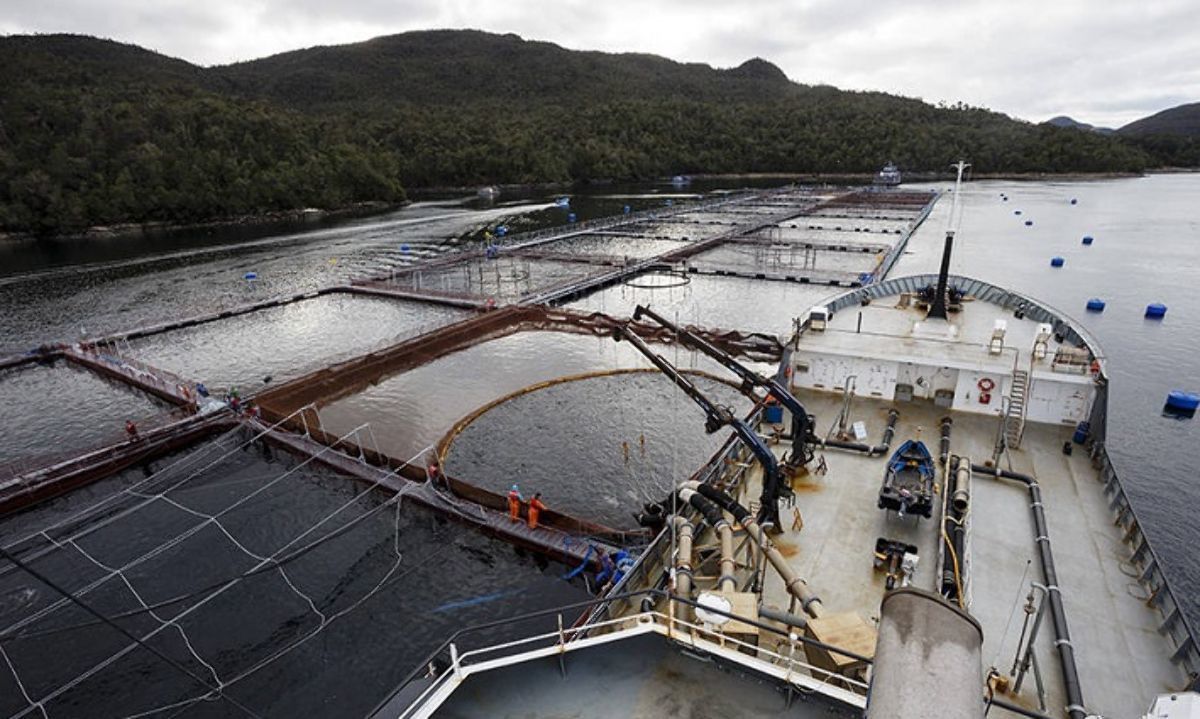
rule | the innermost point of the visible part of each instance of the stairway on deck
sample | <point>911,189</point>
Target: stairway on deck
<point>1014,420</point>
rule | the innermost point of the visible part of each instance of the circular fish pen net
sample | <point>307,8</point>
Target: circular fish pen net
<point>662,280</point>
<point>597,445</point>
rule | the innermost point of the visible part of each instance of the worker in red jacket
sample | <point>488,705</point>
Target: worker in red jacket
<point>514,504</point>
<point>535,509</point>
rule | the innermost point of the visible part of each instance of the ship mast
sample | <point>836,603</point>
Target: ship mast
<point>938,308</point>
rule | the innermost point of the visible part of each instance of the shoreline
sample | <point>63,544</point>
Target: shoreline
<point>286,218</point>
<point>265,220</point>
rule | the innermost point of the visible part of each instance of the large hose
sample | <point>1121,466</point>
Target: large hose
<point>960,495</point>
<point>954,530</point>
<point>1066,651</point>
<point>714,517</point>
<point>683,565</point>
<point>944,449</point>
<point>796,586</point>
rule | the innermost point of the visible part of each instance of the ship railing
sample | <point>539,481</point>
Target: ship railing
<point>1176,625</point>
<point>443,671</point>
<point>1070,329</point>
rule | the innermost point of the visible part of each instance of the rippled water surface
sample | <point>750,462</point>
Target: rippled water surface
<point>288,341</point>
<point>411,411</point>
<point>597,448</point>
<point>61,409</point>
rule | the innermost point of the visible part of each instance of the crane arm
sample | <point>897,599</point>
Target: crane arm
<point>802,436</point>
<point>717,417</point>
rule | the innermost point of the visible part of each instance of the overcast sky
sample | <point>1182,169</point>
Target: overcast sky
<point>1106,62</point>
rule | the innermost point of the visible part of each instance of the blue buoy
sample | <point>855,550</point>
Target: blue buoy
<point>627,209</point>
<point>570,217</point>
<point>404,248</point>
<point>1095,305</point>
<point>1074,201</point>
<point>1016,212</point>
<point>1057,262</point>
<point>1156,310</point>
<point>1087,239</point>
<point>501,230</point>
<point>250,276</point>
<point>1029,223</point>
<point>1182,403</point>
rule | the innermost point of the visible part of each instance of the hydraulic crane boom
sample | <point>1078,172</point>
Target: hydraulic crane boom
<point>717,417</point>
<point>802,436</point>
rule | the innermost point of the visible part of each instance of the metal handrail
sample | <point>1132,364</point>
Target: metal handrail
<point>663,594</point>
<point>1187,649</point>
<point>458,660</point>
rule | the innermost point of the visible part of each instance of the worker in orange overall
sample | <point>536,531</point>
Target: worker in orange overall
<point>535,508</point>
<point>514,504</point>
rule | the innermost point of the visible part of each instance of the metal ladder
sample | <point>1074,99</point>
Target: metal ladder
<point>1014,420</point>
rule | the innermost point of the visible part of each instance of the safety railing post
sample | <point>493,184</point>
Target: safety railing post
<point>562,648</point>
<point>454,664</point>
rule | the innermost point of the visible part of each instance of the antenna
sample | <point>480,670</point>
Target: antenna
<point>938,308</point>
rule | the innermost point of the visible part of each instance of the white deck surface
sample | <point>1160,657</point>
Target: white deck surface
<point>1123,661</point>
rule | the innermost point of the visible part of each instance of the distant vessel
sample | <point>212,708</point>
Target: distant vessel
<point>488,192</point>
<point>889,176</point>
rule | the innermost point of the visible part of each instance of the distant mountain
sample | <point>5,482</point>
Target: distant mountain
<point>1068,122</point>
<point>445,67</point>
<point>99,132</point>
<point>1183,120</point>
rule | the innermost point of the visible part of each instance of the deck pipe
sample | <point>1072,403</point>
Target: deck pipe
<point>796,586</point>
<point>953,527</point>
<point>1062,640</point>
<point>960,494</point>
<point>782,617</point>
<point>683,564</point>
<point>878,450</point>
<point>714,517</point>
<point>944,444</point>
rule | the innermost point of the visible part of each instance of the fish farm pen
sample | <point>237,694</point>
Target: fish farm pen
<point>365,429</point>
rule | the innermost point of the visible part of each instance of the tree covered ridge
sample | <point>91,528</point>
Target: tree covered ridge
<point>94,132</point>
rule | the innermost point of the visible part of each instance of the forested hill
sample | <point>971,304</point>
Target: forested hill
<point>96,132</point>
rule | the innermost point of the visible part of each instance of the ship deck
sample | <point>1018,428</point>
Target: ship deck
<point>1123,661</point>
<point>637,678</point>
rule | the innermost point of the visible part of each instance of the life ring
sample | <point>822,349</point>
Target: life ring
<point>986,385</point>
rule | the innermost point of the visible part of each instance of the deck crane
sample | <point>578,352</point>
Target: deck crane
<point>716,417</point>
<point>803,439</point>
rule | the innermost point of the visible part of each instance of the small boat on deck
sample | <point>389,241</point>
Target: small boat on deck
<point>908,482</point>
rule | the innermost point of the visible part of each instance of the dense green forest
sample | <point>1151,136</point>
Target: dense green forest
<point>94,132</point>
